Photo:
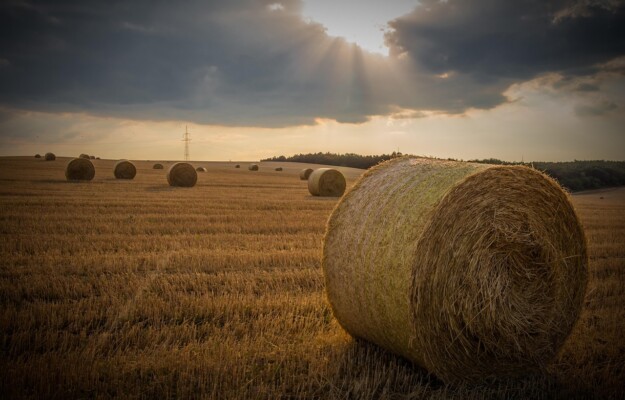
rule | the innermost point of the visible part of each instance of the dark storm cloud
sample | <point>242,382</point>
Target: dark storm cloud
<point>246,62</point>
<point>497,39</point>
<point>234,62</point>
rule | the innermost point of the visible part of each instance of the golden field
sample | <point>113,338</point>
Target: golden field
<point>135,289</point>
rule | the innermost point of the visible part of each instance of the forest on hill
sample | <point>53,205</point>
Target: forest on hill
<point>574,175</point>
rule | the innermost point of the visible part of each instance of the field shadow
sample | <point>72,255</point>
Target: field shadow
<point>165,188</point>
<point>364,370</point>
<point>320,198</point>
<point>67,182</point>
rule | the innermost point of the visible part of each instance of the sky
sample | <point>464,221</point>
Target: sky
<point>527,80</point>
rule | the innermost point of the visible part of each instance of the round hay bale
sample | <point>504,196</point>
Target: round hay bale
<point>124,169</point>
<point>85,156</point>
<point>326,182</point>
<point>253,167</point>
<point>305,173</point>
<point>37,155</point>
<point>50,157</point>
<point>470,271</point>
<point>237,166</point>
<point>182,174</point>
<point>97,158</point>
<point>80,169</point>
<point>92,157</point>
<point>279,169</point>
<point>157,166</point>
<point>201,169</point>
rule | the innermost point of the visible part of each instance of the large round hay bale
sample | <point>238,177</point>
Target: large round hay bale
<point>37,155</point>
<point>305,173</point>
<point>50,157</point>
<point>85,156</point>
<point>124,169</point>
<point>201,169</point>
<point>80,169</point>
<point>237,166</point>
<point>326,182</point>
<point>182,174</point>
<point>471,271</point>
<point>253,167</point>
<point>157,166</point>
<point>278,168</point>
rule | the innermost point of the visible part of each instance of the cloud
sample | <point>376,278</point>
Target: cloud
<point>596,109</point>
<point>259,63</point>
<point>492,40</point>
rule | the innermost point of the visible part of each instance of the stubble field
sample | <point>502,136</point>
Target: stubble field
<point>139,290</point>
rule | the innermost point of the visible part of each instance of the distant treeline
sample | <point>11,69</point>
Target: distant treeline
<point>577,175</point>
<point>340,160</point>
<point>574,175</point>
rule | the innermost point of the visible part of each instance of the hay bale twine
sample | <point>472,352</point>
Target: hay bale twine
<point>182,174</point>
<point>50,157</point>
<point>37,155</point>
<point>253,167</point>
<point>326,182</point>
<point>201,169</point>
<point>80,169</point>
<point>157,166</point>
<point>471,271</point>
<point>85,156</point>
<point>124,169</point>
<point>237,166</point>
<point>279,169</point>
<point>305,173</point>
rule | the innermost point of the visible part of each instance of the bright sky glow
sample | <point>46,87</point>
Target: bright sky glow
<point>357,21</point>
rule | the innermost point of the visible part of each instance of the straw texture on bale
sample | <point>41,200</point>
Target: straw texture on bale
<point>85,156</point>
<point>124,169</point>
<point>305,173</point>
<point>253,167</point>
<point>182,174</point>
<point>470,271</point>
<point>201,169</point>
<point>237,166</point>
<point>326,182</point>
<point>158,166</point>
<point>80,169</point>
<point>50,157</point>
<point>37,155</point>
<point>279,169</point>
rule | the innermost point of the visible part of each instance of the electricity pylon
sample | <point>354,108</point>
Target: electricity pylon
<point>186,139</point>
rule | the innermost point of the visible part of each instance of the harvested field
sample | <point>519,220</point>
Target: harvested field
<point>217,291</point>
